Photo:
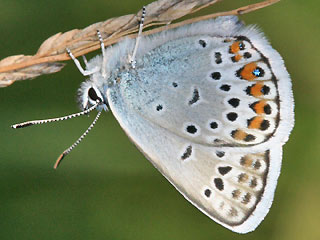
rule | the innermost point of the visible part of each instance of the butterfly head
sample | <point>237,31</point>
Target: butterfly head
<point>90,95</point>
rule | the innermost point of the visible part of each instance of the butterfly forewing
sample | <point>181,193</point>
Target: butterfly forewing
<point>208,89</point>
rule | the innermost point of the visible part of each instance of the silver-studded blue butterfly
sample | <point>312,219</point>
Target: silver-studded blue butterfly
<point>209,104</point>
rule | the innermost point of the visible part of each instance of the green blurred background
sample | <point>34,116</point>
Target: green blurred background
<point>106,189</point>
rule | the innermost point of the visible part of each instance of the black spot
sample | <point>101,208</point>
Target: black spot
<point>92,94</point>
<point>225,87</point>
<point>174,84</point>
<point>233,133</point>
<point>187,153</point>
<point>242,46</point>
<point>195,97</point>
<point>253,182</point>
<point>207,192</point>
<point>252,105</point>
<point>232,116</point>
<point>265,90</point>
<point>267,109</point>
<point>213,125</point>
<point>234,102</point>
<point>238,72</point>
<point>246,198</point>
<point>159,107</point>
<point>192,129</point>
<point>264,125</point>
<point>202,43</point>
<point>224,170</point>
<point>258,72</point>
<point>247,55</point>
<point>220,154</point>
<point>216,75</point>
<point>257,165</point>
<point>248,90</point>
<point>249,138</point>
<point>236,193</point>
<point>218,183</point>
<point>218,57</point>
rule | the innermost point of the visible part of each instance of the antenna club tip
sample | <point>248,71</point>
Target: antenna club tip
<point>22,125</point>
<point>56,165</point>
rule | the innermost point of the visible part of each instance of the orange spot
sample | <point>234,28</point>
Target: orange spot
<point>256,90</point>
<point>259,107</point>
<point>243,177</point>
<point>234,48</point>
<point>246,72</point>
<point>239,135</point>
<point>255,123</point>
<point>237,57</point>
<point>246,161</point>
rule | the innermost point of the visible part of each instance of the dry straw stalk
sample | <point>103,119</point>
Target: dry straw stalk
<point>52,51</point>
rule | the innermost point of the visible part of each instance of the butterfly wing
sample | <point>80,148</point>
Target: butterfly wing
<point>211,113</point>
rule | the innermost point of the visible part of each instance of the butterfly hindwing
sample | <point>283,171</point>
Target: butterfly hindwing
<point>227,185</point>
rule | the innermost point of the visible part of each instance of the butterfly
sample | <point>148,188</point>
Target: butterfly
<point>209,104</point>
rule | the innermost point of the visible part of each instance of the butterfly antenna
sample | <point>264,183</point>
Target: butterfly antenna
<point>67,151</point>
<point>35,122</point>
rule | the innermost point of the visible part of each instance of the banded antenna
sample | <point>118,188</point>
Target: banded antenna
<point>68,150</point>
<point>36,122</point>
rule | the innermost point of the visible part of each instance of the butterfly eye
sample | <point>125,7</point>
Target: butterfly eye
<point>93,95</point>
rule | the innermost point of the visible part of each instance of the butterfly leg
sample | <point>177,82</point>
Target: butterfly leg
<point>76,61</point>
<point>132,57</point>
<point>104,58</point>
<point>85,60</point>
